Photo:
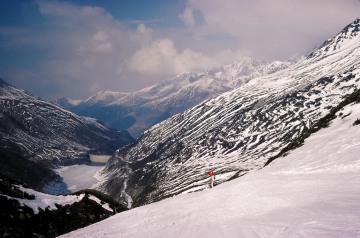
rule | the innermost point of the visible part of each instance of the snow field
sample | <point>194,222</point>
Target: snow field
<point>44,201</point>
<point>78,177</point>
<point>312,192</point>
<point>99,158</point>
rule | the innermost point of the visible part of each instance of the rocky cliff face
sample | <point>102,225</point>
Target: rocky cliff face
<point>238,131</point>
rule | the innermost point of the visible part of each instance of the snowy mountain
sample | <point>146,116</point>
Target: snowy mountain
<point>238,131</point>
<point>28,213</point>
<point>138,111</point>
<point>36,136</point>
<point>312,192</point>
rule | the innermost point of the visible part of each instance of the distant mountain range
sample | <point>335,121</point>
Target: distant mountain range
<point>241,130</point>
<point>270,111</point>
<point>37,136</point>
<point>137,111</point>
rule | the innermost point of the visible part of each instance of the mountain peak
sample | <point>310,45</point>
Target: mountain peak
<point>346,38</point>
<point>353,28</point>
<point>241,130</point>
<point>3,83</point>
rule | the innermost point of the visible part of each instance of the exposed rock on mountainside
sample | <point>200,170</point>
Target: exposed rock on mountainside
<point>311,192</point>
<point>27,213</point>
<point>138,111</point>
<point>238,131</point>
<point>36,136</point>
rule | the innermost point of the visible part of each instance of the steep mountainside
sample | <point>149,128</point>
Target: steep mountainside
<point>27,213</point>
<point>312,192</point>
<point>138,111</point>
<point>238,131</point>
<point>36,135</point>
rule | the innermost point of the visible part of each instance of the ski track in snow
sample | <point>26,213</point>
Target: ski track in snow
<point>312,192</point>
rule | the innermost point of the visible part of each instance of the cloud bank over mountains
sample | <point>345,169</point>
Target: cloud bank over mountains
<point>75,50</point>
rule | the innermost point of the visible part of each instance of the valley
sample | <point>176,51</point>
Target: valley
<point>238,131</point>
<point>311,192</point>
<point>282,138</point>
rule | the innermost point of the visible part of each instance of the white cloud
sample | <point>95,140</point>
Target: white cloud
<point>143,31</point>
<point>143,35</point>
<point>162,57</point>
<point>67,11</point>
<point>273,29</point>
<point>188,17</point>
<point>158,56</point>
<point>84,48</point>
<point>88,47</point>
<point>102,43</point>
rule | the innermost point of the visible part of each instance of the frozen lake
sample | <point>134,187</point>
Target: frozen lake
<point>84,176</point>
<point>99,158</point>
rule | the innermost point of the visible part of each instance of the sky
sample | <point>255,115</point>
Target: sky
<point>79,47</point>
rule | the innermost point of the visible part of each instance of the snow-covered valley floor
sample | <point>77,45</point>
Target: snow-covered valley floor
<point>312,192</point>
<point>78,177</point>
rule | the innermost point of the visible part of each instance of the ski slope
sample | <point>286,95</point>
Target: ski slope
<point>312,192</point>
<point>237,131</point>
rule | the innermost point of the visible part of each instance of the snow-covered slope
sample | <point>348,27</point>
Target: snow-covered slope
<point>238,131</point>
<point>36,135</point>
<point>138,111</point>
<point>344,40</point>
<point>28,213</point>
<point>312,192</point>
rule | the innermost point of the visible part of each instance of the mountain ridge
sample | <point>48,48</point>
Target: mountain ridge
<point>138,111</point>
<point>351,31</point>
<point>37,136</point>
<point>236,132</point>
<point>311,192</point>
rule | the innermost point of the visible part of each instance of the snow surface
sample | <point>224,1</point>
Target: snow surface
<point>104,205</point>
<point>78,177</point>
<point>44,201</point>
<point>312,192</point>
<point>151,105</point>
<point>99,158</point>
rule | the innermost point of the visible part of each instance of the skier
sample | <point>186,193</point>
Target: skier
<point>212,178</point>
